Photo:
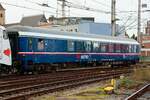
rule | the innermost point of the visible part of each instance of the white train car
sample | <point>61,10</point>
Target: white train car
<point>5,49</point>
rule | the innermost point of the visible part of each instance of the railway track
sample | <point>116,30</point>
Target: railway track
<point>141,94</point>
<point>63,71</point>
<point>22,89</point>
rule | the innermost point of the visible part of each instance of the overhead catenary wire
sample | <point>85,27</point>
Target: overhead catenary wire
<point>47,6</point>
<point>27,7</point>
<point>72,13</point>
<point>101,3</point>
<point>41,4</point>
<point>130,24</point>
<point>133,25</point>
<point>77,6</point>
<point>127,20</point>
<point>86,8</point>
<point>30,8</point>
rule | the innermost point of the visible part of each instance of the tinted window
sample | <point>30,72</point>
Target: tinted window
<point>80,46</point>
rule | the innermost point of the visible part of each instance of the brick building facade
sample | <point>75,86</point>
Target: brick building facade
<point>145,50</point>
<point>145,45</point>
<point>147,29</point>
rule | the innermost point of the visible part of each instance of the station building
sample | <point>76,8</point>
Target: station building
<point>83,24</point>
<point>88,27</point>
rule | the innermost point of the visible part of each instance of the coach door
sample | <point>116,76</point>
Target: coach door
<point>13,38</point>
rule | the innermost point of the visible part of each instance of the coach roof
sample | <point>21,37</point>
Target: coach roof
<point>42,32</point>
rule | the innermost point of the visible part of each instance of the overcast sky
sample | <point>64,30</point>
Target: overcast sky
<point>14,14</point>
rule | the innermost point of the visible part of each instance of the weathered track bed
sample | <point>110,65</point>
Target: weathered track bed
<point>141,94</point>
<point>22,89</point>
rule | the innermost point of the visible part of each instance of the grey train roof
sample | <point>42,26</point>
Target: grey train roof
<point>69,35</point>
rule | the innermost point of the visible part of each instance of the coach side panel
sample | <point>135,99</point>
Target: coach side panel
<point>40,50</point>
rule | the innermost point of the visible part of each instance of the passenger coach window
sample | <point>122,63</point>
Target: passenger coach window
<point>130,48</point>
<point>40,44</point>
<point>70,45</point>
<point>125,48</point>
<point>30,43</point>
<point>80,46</point>
<point>95,46</point>
<point>111,47</point>
<point>135,48</point>
<point>87,46</point>
<point>118,48</point>
<point>104,47</point>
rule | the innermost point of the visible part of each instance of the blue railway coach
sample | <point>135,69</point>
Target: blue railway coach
<point>42,49</point>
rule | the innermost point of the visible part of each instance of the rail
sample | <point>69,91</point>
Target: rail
<point>139,93</point>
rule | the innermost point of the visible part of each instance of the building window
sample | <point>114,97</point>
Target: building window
<point>76,30</point>
<point>1,15</point>
<point>40,44</point>
<point>70,45</point>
